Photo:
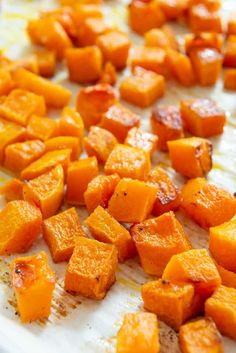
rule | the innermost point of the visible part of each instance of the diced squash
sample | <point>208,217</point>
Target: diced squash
<point>181,67</point>
<point>191,157</point>
<point>228,278</point>
<point>123,205</point>
<point>166,123</point>
<point>221,307</point>
<point>29,63</point>
<point>173,9</point>
<point>141,139</point>
<point>12,189</point>
<point>230,52</point>
<point>46,191</point>
<point>128,162</point>
<point>71,123</point>
<point>200,335</point>
<point>90,29</point>
<point>230,79</point>
<point>143,88</point>
<point>19,155</point>
<point>157,240</point>
<point>55,95</point>
<point>33,282</point>
<point>80,173</point>
<point>203,40</point>
<point>211,5</point>
<point>46,63</point>
<point>93,101</point>
<point>61,233</point>
<point>231,25</point>
<point>86,9</point>
<point>119,120</point>
<point>20,105</point>
<point>64,142</point>
<point>194,266</point>
<point>46,163</point>
<point>99,143</point>
<point>41,128</point>
<point>202,117</point>
<point>6,82</point>
<point>207,204</point>
<point>158,38</point>
<point>201,19</point>
<point>20,224</point>
<point>109,74</point>
<point>139,333</point>
<point>99,191</point>
<point>91,269</point>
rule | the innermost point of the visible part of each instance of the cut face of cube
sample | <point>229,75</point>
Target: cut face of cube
<point>141,139</point>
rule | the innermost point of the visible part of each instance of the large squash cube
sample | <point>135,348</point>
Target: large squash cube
<point>181,67</point>
<point>71,123</point>
<point>41,128</point>
<point>89,31</point>
<point>64,142</point>
<point>141,139</point>
<point>91,269</point>
<point>204,20</point>
<point>230,52</point>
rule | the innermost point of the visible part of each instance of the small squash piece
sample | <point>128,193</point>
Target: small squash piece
<point>200,335</point>
<point>141,139</point>
<point>71,123</point>
<point>80,173</point>
<point>41,128</point>
<point>123,205</point>
<point>46,62</point>
<point>86,9</point>
<point>228,278</point>
<point>61,233</point>
<point>91,269</point>
<point>163,38</point>
<point>211,5</point>
<point>230,79</point>
<point>139,333</point>
<point>109,74</point>
<point>33,282</point>
<point>100,190</point>
<point>64,142</point>
<point>90,29</point>
<point>191,157</point>
<point>20,224</point>
<point>230,52</point>
<point>157,240</point>
<point>181,67</point>
<point>203,40</point>
<point>202,19</point>
<point>173,9</point>
<point>231,25</point>
<point>12,189</point>
<point>6,82</point>
<point>99,143</point>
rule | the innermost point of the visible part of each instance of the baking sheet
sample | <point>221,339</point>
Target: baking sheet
<point>77,324</point>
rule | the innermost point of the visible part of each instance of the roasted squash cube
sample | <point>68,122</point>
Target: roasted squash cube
<point>6,82</point>
<point>211,5</point>
<point>91,269</point>
<point>90,29</point>
<point>109,74</point>
<point>139,333</point>
<point>230,79</point>
<point>80,173</point>
<point>33,282</point>
<point>201,19</point>
<point>12,190</point>
<point>141,139</point>
<point>71,123</point>
<point>41,128</point>
<point>46,62</point>
<point>203,40</point>
<point>173,9</point>
<point>231,25</point>
<point>64,142</point>
<point>61,233</point>
<point>122,205</point>
<point>230,52</point>
<point>228,278</point>
<point>181,67</point>
<point>157,240</point>
<point>86,9</point>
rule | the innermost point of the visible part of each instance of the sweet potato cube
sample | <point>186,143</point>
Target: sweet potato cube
<point>46,163</point>
<point>119,120</point>
<point>6,82</point>
<point>167,196</point>
<point>100,190</point>
<point>145,15</point>
<point>139,333</point>
<point>203,40</point>
<point>166,123</point>
<point>33,282</point>
<point>141,139</point>
<point>19,155</point>
<point>157,240</point>
<point>20,105</point>
<point>80,173</point>
<point>194,266</point>
<point>221,307</point>
<point>109,74</point>
<point>93,101</point>
<point>231,25</point>
<point>200,335</point>
<point>207,204</point>
<point>55,95</point>
<point>71,123</point>
<point>46,191</point>
<point>20,224</point>
<point>99,143</point>
<point>61,233</point>
<point>230,79</point>
<point>64,142</point>
<point>228,278</point>
<point>230,52</point>
<point>173,9</point>
<point>142,88</point>
<point>90,29</point>
<point>91,269</point>
<point>122,205</point>
<point>202,117</point>
<point>128,162</point>
<point>181,67</point>
<point>41,128</point>
<point>203,20</point>
<point>191,157</point>
<point>12,189</point>
<point>46,63</point>
<point>172,303</point>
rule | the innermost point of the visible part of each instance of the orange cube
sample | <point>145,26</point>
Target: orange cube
<point>105,228</point>
<point>166,123</point>
<point>12,190</point>
<point>99,143</point>
<point>194,266</point>
<point>119,120</point>
<point>181,67</point>
<point>20,223</point>
<point>157,240</point>
<point>230,79</point>
<point>230,52</point>
<point>191,157</point>
<point>143,88</point>
<point>19,155</point>
<point>90,29</point>
<point>139,334</point>
<point>128,162</point>
<point>20,105</point>
<point>99,191</point>
<point>71,123</point>
<point>202,117</point>
<point>41,128</point>
<point>80,173</point>
<point>203,40</point>
<point>173,9</point>
<point>78,72</point>
<point>141,139</point>
<point>123,205</point>
<point>64,142</point>
<point>231,26</point>
<point>91,269</point>
<point>6,82</point>
<point>46,63</point>
<point>115,47</point>
<point>93,101</point>
<point>228,278</point>
<point>61,233</point>
<point>109,74</point>
<point>46,191</point>
<point>203,20</point>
